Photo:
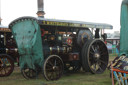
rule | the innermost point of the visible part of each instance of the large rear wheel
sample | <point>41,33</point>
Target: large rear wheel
<point>95,56</point>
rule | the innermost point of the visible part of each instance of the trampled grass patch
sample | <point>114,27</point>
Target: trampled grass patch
<point>79,78</point>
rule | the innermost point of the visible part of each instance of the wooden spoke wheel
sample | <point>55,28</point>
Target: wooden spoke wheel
<point>53,68</point>
<point>6,65</point>
<point>95,56</point>
<point>29,73</point>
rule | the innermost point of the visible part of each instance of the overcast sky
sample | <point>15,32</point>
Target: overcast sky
<point>100,11</point>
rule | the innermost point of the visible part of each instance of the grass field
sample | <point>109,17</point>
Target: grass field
<point>80,78</point>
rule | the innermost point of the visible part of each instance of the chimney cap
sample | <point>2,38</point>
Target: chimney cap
<point>40,13</point>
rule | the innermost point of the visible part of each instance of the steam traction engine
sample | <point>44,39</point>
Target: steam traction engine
<point>8,52</point>
<point>58,46</point>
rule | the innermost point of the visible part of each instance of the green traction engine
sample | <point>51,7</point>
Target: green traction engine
<point>59,46</point>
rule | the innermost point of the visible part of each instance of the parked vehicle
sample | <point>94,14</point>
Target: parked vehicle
<point>56,46</point>
<point>8,52</point>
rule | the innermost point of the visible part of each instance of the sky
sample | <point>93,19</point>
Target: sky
<point>99,11</point>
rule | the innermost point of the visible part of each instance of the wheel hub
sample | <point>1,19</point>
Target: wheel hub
<point>97,56</point>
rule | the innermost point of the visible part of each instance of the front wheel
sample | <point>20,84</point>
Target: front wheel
<point>53,67</point>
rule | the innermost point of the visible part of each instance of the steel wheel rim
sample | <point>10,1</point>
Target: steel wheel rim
<point>99,60</point>
<point>53,68</point>
<point>95,56</point>
<point>6,65</point>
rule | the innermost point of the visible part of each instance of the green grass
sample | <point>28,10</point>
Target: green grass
<point>79,78</point>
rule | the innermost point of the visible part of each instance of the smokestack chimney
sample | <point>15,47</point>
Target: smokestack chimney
<point>40,5</point>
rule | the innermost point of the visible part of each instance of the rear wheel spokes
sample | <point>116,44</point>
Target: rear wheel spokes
<point>95,56</point>
<point>93,49</point>
<point>103,53</point>
<point>94,66</point>
<point>91,52</point>
<point>97,67</point>
<point>100,68</point>
<point>103,62</point>
<point>98,48</point>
